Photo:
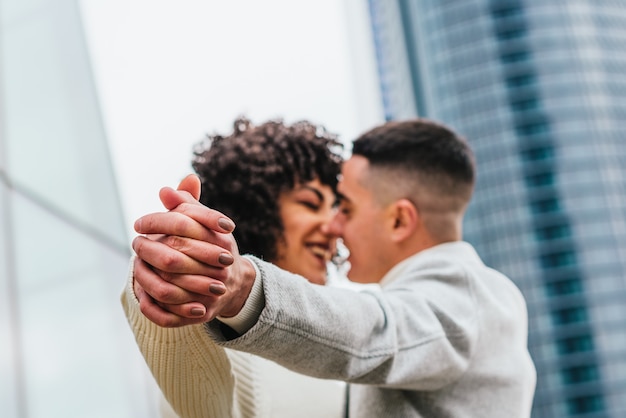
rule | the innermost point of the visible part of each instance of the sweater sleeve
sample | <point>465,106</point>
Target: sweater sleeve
<point>194,374</point>
<point>417,334</point>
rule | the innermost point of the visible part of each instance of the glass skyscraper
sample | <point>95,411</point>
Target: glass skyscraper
<point>65,349</point>
<point>539,90</point>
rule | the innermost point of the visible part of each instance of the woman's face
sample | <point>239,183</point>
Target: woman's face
<point>306,212</point>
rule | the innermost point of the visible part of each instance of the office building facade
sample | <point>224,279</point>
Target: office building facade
<point>538,89</point>
<point>65,349</point>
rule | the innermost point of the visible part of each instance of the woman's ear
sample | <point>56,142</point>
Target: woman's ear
<point>406,219</point>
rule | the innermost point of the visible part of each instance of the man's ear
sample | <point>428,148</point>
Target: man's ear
<point>406,219</point>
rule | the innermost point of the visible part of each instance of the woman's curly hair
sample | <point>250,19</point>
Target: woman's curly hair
<point>244,173</point>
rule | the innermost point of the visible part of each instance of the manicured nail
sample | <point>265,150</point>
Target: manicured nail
<point>217,289</point>
<point>198,311</point>
<point>226,224</point>
<point>226,259</point>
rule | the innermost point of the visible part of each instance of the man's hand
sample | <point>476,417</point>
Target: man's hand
<point>188,269</point>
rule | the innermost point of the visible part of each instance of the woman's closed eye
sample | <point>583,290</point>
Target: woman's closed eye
<point>311,205</point>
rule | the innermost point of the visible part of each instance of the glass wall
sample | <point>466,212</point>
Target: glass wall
<point>66,348</point>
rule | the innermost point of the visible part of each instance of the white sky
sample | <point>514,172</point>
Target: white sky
<point>167,72</point>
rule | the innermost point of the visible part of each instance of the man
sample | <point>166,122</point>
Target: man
<point>445,336</point>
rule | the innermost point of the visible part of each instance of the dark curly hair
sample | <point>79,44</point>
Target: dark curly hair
<point>244,173</point>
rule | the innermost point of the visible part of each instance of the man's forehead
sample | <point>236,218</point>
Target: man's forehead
<point>342,189</point>
<point>350,182</point>
<point>353,168</point>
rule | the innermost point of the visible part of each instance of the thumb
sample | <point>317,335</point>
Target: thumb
<point>188,192</point>
<point>191,184</point>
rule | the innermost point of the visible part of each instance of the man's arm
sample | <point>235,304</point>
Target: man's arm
<point>380,337</point>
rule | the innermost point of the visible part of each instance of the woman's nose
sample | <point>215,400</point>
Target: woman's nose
<point>332,227</point>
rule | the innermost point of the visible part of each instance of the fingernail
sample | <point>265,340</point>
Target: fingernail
<point>226,259</point>
<point>217,289</point>
<point>226,224</point>
<point>198,311</point>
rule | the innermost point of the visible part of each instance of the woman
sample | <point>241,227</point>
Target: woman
<point>278,184</point>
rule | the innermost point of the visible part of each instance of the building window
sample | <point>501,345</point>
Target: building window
<point>576,344</point>
<point>527,104</point>
<point>517,56</point>
<point>564,287</point>
<point>558,259</point>
<point>553,232</point>
<point>538,154</point>
<point>545,205</point>
<point>579,374</point>
<point>534,128</point>
<point>511,33</point>
<point>582,404</point>
<point>569,316</point>
<point>520,80</point>
<point>543,179</point>
<point>507,11</point>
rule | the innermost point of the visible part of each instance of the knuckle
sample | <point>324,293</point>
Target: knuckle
<point>182,244</point>
<point>176,242</point>
<point>168,277</point>
<point>170,261</point>
<point>165,292</point>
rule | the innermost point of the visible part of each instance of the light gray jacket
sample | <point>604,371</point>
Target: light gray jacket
<point>445,337</point>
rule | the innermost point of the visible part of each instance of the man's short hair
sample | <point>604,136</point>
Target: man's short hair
<point>422,150</point>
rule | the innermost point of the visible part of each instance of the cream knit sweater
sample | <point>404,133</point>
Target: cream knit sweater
<point>202,380</point>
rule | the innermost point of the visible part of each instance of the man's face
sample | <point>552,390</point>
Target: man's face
<point>360,221</point>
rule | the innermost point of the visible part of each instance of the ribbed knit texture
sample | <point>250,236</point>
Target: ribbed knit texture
<point>208,385</point>
<point>200,379</point>
<point>249,401</point>
<point>445,336</point>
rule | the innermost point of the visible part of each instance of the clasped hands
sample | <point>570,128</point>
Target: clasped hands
<point>188,269</point>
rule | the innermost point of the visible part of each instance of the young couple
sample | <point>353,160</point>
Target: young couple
<point>444,336</point>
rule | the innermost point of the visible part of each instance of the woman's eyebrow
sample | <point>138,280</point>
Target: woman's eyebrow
<point>319,194</point>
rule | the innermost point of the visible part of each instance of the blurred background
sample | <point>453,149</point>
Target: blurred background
<point>101,102</point>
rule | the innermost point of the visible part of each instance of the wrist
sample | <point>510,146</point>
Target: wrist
<point>248,314</point>
<point>247,274</point>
